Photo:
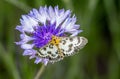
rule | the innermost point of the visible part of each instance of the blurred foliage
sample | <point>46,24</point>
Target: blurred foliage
<point>100,59</point>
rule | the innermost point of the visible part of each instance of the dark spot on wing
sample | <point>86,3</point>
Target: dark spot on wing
<point>78,40</point>
<point>75,49</point>
<point>64,42</point>
<point>49,52</point>
<point>71,39</point>
<point>43,55</point>
<point>51,46</point>
<point>53,55</point>
<point>66,38</point>
<point>40,52</point>
<point>70,47</point>
<point>44,49</point>
<point>62,50</point>
<point>56,52</point>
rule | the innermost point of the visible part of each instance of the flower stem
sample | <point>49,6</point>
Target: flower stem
<point>39,73</point>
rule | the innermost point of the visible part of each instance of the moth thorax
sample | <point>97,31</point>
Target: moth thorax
<point>55,40</point>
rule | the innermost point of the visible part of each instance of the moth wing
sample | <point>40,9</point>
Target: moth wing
<point>70,45</point>
<point>50,51</point>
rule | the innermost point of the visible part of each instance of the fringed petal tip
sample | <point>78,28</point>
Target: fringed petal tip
<point>29,52</point>
<point>27,46</point>
<point>43,60</point>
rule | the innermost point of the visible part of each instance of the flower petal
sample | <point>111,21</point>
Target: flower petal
<point>38,60</point>
<point>25,38</point>
<point>29,52</point>
<point>19,28</point>
<point>27,46</point>
<point>28,23</point>
<point>45,61</point>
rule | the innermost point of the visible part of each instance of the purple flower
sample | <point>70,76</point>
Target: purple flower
<point>38,27</point>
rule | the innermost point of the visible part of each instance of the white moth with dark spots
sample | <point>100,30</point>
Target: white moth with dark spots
<point>66,47</point>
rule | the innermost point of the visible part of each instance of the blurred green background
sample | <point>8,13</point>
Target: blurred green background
<point>100,59</point>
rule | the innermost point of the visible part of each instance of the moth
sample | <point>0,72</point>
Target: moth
<point>60,47</point>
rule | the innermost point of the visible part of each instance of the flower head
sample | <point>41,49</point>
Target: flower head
<point>38,27</point>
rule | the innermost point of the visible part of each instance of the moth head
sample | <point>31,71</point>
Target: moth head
<point>55,40</point>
